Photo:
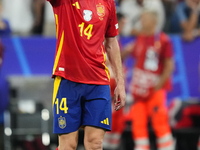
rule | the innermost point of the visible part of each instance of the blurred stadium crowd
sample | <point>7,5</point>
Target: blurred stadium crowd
<point>35,17</point>
<point>30,17</point>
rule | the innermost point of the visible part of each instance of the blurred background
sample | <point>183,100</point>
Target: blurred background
<point>27,48</point>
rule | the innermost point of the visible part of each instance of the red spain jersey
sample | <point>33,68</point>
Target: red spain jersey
<point>149,53</point>
<point>82,26</point>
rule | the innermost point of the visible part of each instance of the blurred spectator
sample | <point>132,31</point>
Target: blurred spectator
<point>4,25</point>
<point>153,67</point>
<point>38,12</point>
<point>186,19</point>
<point>169,6</point>
<point>19,15</point>
<point>132,9</point>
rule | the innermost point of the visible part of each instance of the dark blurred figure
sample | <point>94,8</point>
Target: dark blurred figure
<point>4,25</point>
<point>38,11</point>
<point>186,19</point>
<point>169,6</point>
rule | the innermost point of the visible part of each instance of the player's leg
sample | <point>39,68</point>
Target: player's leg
<point>96,115</point>
<point>68,141</point>
<point>66,112</point>
<point>93,139</point>
<point>139,119</point>
<point>159,120</point>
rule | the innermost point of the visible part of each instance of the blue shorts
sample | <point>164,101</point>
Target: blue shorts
<point>77,104</point>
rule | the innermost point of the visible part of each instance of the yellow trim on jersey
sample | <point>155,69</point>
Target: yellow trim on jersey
<point>55,88</point>
<point>58,52</point>
<point>106,68</point>
<point>57,25</point>
<point>77,5</point>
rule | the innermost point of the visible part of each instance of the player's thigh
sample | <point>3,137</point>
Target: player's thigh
<point>66,106</point>
<point>93,138</point>
<point>68,141</point>
<point>97,108</point>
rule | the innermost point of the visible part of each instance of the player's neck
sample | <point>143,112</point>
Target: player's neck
<point>149,32</point>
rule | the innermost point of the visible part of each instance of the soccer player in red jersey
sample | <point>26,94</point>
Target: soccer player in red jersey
<point>81,95</point>
<point>153,66</point>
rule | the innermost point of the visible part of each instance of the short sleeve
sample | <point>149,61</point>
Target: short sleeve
<point>168,49</point>
<point>112,29</point>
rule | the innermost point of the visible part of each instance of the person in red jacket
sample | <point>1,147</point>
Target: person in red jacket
<point>151,79</point>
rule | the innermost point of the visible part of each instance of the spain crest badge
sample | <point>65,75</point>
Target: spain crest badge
<point>62,122</point>
<point>100,11</point>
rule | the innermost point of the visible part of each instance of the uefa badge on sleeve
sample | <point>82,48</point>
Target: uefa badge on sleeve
<point>62,122</point>
<point>87,15</point>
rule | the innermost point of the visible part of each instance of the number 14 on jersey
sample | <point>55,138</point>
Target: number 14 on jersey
<point>62,106</point>
<point>88,30</point>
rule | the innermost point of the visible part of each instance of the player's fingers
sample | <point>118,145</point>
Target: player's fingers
<point>120,103</point>
<point>123,99</point>
<point>118,107</point>
<point>117,103</point>
<point>115,97</point>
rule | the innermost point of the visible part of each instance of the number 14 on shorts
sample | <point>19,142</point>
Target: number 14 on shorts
<point>62,106</point>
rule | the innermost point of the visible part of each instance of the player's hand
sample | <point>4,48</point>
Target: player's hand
<point>119,96</point>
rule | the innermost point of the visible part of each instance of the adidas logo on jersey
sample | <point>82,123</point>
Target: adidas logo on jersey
<point>105,121</point>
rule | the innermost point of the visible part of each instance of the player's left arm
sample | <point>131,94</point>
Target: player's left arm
<point>113,53</point>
